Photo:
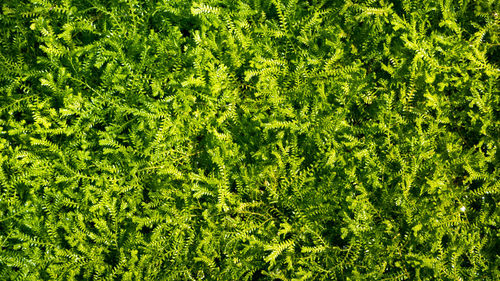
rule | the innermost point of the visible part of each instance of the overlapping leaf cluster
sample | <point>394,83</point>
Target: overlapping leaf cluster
<point>249,140</point>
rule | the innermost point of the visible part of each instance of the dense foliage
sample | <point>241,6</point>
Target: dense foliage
<point>249,140</point>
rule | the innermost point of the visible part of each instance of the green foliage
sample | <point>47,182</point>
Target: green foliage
<point>249,140</point>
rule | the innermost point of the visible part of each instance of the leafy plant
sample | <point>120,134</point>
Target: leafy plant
<point>249,140</point>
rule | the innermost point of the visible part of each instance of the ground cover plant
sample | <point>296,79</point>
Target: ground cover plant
<point>249,140</point>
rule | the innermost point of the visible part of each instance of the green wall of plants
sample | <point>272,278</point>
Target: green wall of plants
<point>249,140</point>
